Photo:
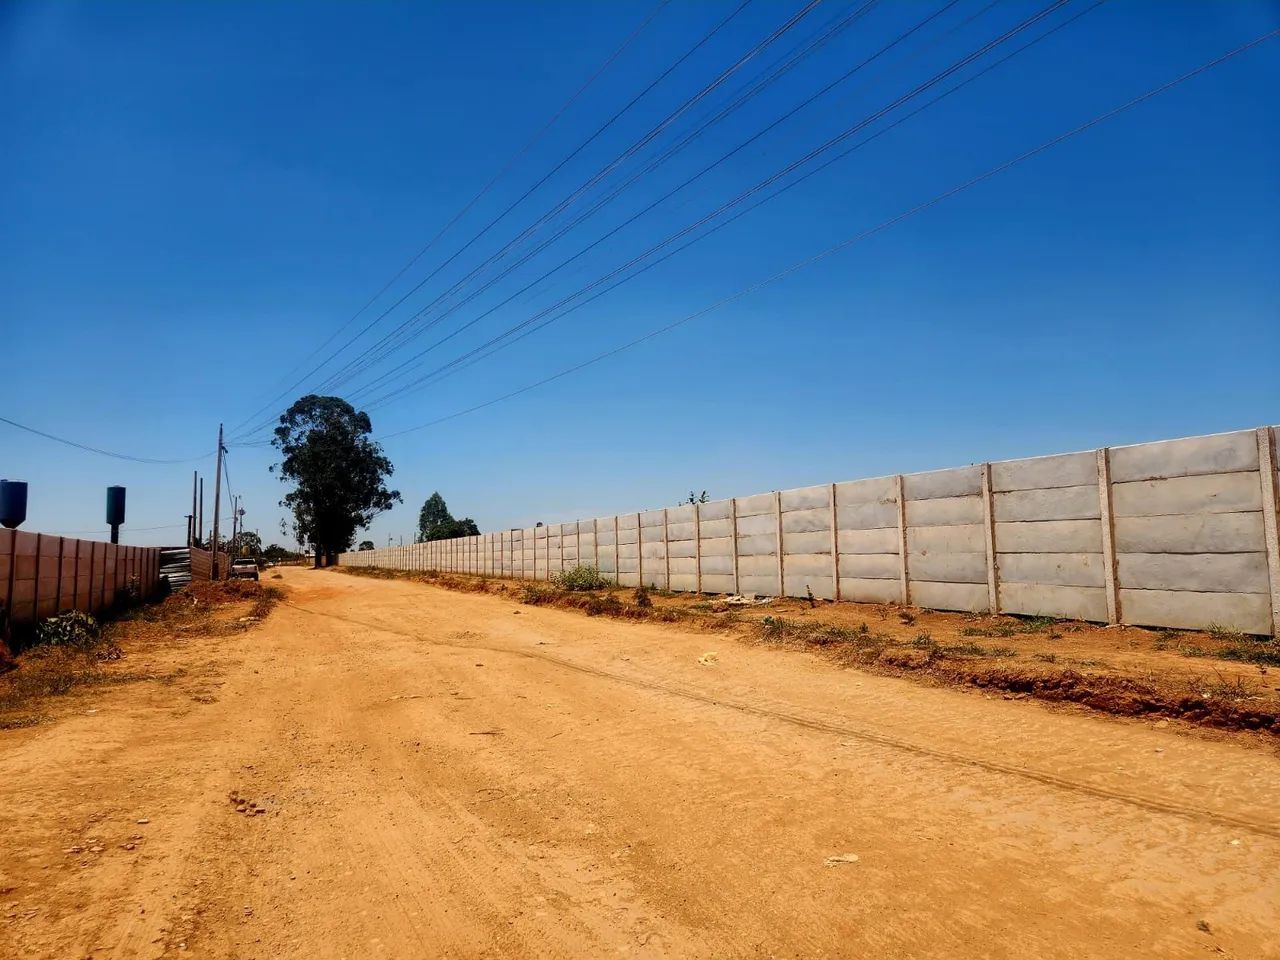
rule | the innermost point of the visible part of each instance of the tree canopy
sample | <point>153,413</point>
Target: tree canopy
<point>365,545</point>
<point>435,522</point>
<point>339,474</point>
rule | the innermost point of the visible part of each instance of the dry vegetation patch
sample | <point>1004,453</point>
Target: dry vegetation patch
<point>73,650</point>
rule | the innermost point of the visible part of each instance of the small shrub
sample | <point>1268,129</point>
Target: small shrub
<point>534,595</point>
<point>922,639</point>
<point>582,577</point>
<point>643,600</point>
<point>72,629</point>
<point>907,617</point>
<point>1219,632</point>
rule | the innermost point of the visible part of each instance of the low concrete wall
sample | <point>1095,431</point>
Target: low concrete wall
<point>1179,533</point>
<point>42,574</point>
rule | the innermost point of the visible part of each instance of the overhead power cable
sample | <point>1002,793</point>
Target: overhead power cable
<point>845,244</point>
<point>475,355</point>
<point>404,333</point>
<point>723,208</point>
<point>556,169</point>
<point>617,161</point>
<point>90,449</point>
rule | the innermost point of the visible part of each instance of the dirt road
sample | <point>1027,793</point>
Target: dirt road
<point>451,775</point>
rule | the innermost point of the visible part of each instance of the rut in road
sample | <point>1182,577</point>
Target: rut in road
<point>1152,804</point>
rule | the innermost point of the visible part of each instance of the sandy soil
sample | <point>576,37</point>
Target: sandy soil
<point>455,775</point>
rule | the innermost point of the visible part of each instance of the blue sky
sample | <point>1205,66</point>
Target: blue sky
<point>194,196</point>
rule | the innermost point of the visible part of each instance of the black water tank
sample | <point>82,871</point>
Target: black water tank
<point>115,506</point>
<point>13,503</point>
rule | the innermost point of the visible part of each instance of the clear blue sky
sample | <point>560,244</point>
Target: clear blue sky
<point>194,196</point>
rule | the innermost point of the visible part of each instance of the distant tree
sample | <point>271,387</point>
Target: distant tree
<point>276,553</point>
<point>435,522</point>
<point>694,497</point>
<point>365,545</point>
<point>246,544</point>
<point>339,474</point>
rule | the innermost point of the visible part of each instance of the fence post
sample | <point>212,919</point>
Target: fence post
<point>35,585</point>
<point>666,546</point>
<point>903,573</point>
<point>777,513</point>
<point>835,546</point>
<point>1108,535</point>
<point>617,555</point>
<point>639,551</point>
<point>1270,518</point>
<point>697,547</point>
<point>989,528</point>
<point>733,540</point>
<point>57,603</point>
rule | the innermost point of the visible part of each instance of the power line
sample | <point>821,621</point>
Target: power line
<point>844,244</point>
<point>105,453</point>
<point>457,364</point>
<point>484,230</point>
<point>600,174</point>
<point>702,221</point>
<point>400,335</point>
<point>474,200</point>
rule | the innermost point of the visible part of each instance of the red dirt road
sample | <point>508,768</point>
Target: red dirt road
<point>452,775</point>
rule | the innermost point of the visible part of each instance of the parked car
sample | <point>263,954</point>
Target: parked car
<point>244,568</point>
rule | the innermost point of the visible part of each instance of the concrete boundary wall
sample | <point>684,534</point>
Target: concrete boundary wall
<point>42,574</point>
<point>1177,533</point>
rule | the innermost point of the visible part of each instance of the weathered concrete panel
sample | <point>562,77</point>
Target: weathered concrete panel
<point>754,506</point>
<point>1048,600</point>
<point>680,531</point>
<point>1205,572</point>
<point>869,516</point>
<point>765,586</point>
<point>1038,473</point>
<point>803,521</point>
<point>807,498</point>
<point>681,548</point>
<point>875,490</point>
<point>948,567</point>
<point>717,547</point>
<point>1062,503</point>
<point>870,591</point>
<point>807,565</point>
<point>715,510</point>
<point>761,565</point>
<point>951,596</point>
<point>1059,569</point>
<point>651,535</point>
<point>1215,493</point>
<point>753,526</point>
<point>681,514</point>
<point>956,482</point>
<point>717,564</point>
<point>958,538</point>
<point>716,528</point>
<point>869,566</point>
<point>716,582</point>
<point>1049,536</point>
<point>944,511</point>
<point>822,587</point>
<point>795,543</point>
<point>883,540</point>
<point>1194,533</point>
<point>1248,612</point>
<point>652,518</point>
<point>754,546</point>
<point>1190,456</point>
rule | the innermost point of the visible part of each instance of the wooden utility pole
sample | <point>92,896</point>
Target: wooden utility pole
<point>217,503</point>
<point>192,533</point>
<point>200,521</point>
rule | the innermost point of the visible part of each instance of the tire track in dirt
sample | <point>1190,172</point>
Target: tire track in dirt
<point>1140,801</point>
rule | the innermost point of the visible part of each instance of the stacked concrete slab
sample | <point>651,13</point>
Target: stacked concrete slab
<point>1178,533</point>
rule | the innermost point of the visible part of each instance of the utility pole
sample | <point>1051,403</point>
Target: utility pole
<point>217,503</point>
<point>191,525</point>
<point>200,522</point>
